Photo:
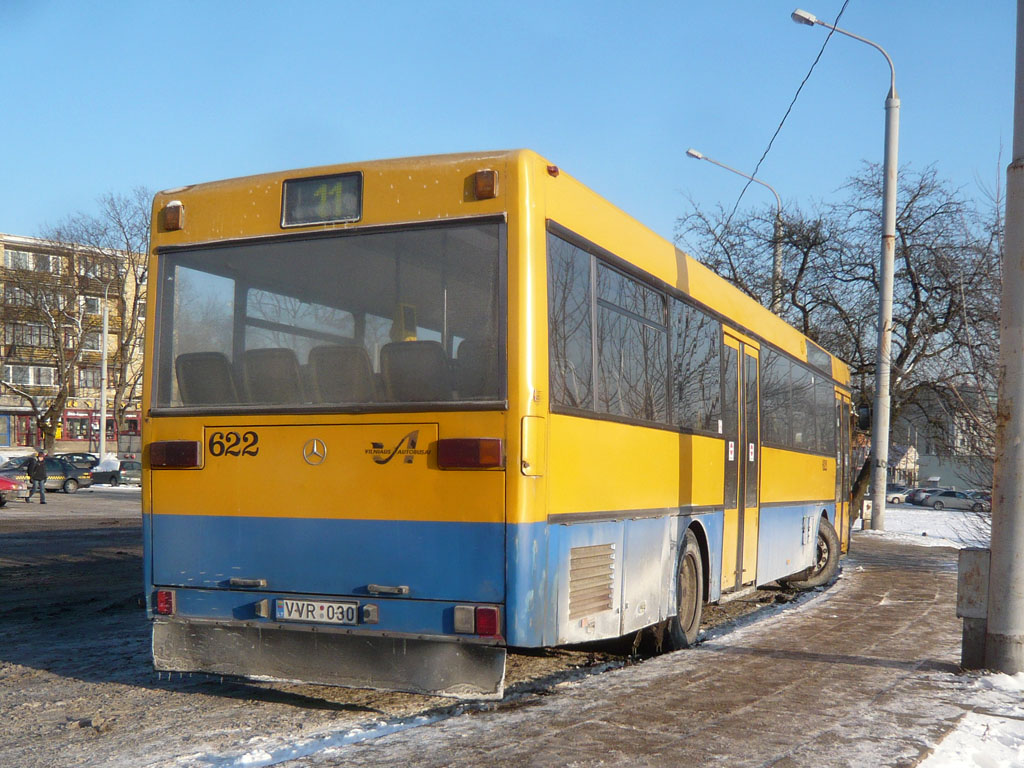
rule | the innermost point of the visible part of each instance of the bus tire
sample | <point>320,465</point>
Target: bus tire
<point>685,625</point>
<point>826,563</point>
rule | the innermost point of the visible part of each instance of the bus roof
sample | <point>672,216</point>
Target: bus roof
<point>406,190</point>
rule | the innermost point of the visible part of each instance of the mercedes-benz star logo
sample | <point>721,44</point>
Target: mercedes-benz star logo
<point>314,452</point>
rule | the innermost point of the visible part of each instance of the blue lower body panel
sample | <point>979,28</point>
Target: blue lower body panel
<point>525,569</point>
<point>435,560</point>
<point>636,557</point>
<point>786,538</point>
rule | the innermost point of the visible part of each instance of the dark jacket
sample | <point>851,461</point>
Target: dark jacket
<point>36,468</point>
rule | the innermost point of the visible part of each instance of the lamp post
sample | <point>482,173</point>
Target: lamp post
<point>883,362</point>
<point>776,303</point>
<point>103,378</point>
<point>1004,632</point>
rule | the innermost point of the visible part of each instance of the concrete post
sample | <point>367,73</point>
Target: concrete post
<point>776,306</point>
<point>103,378</point>
<point>1004,641</point>
<point>883,362</point>
<point>890,169</point>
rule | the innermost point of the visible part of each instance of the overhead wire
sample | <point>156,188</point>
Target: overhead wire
<point>788,110</point>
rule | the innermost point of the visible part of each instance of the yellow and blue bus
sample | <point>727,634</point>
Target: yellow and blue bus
<point>402,415</point>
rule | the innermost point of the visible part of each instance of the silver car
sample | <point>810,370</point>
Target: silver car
<point>896,494</point>
<point>955,500</point>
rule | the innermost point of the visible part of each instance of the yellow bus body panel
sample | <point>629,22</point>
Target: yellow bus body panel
<point>603,466</point>
<point>792,476</point>
<point>349,484</point>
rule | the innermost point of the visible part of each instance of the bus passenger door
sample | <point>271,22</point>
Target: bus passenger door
<point>741,429</point>
<point>732,538</point>
<point>750,463</point>
<point>843,472</point>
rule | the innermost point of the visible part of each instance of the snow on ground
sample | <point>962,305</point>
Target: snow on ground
<point>935,528</point>
<point>992,736</point>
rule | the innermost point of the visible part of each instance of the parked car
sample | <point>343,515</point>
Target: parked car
<point>983,495</point>
<point>80,460</point>
<point>918,495</point>
<point>895,493</point>
<point>12,489</point>
<point>956,500</point>
<point>61,475</point>
<point>128,471</point>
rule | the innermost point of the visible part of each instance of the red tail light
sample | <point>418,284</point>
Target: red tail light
<point>487,621</point>
<point>165,602</point>
<point>469,453</point>
<point>174,454</point>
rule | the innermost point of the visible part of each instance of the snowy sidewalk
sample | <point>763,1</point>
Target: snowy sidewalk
<point>864,674</point>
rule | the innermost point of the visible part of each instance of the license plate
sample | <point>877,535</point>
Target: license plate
<point>317,611</point>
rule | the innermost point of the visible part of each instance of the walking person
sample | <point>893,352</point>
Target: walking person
<point>36,468</point>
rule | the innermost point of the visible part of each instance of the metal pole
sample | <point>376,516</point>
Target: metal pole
<point>103,379</point>
<point>883,362</point>
<point>776,306</point>
<point>1004,636</point>
<point>880,427</point>
<point>776,301</point>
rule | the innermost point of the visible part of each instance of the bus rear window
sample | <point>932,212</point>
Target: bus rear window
<point>358,319</point>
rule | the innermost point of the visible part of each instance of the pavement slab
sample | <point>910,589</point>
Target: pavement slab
<point>863,674</point>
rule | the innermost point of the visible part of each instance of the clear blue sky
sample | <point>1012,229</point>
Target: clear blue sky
<point>104,96</point>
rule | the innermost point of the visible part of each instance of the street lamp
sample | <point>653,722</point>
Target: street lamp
<point>880,427</point>
<point>1004,622</point>
<point>776,303</point>
<point>103,378</point>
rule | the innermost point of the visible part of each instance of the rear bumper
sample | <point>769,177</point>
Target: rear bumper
<point>324,655</point>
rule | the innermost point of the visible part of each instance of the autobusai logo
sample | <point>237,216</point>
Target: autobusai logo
<point>406,448</point>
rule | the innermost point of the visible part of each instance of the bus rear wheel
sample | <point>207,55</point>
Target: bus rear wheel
<point>826,560</point>
<point>685,625</point>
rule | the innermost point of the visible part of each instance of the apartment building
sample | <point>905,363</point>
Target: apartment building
<point>51,327</point>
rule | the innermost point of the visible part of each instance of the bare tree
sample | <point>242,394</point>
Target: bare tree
<point>945,315</point>
<point>46,328</point>
<point>111,250</point>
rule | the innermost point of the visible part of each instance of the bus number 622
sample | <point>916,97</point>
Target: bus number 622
<point>234,444</point>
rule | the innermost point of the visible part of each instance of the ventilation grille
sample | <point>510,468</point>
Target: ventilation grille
<point>591,570</point>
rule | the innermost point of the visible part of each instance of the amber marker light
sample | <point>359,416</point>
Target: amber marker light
<point>173,216</point>
<point>469,453</point>
<point>485,184</point>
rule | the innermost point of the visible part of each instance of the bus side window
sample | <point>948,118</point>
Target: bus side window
<point>415,371</point>
<point>341,374</point>
<point>204,378</point>
<point>272,375</point>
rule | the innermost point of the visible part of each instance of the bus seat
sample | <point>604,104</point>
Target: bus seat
<point>342,374</point>
<point>415,371</point>
<point>476,369</point>
<point>205,378</point>
<point>272,375</point>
